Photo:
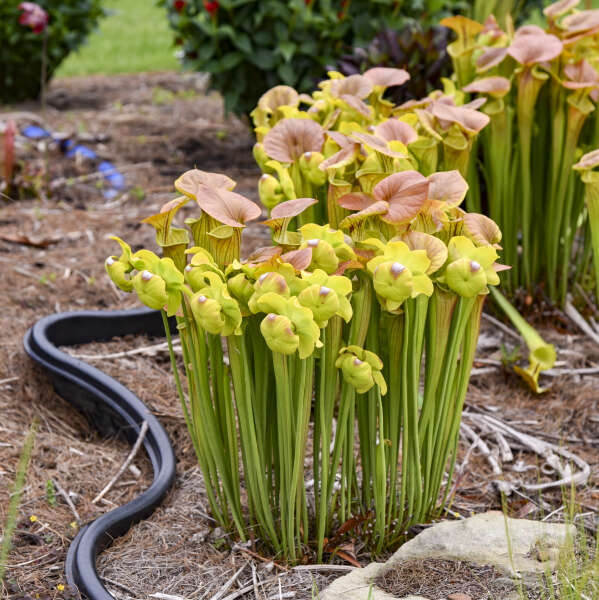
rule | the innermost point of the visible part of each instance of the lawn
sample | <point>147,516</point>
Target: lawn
<point>134,37</point>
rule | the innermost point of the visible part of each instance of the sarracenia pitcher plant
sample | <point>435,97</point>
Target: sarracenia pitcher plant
<point>371,325</point>
<point>346,137</point>
<point>540,88</point>
<point>336,145</point>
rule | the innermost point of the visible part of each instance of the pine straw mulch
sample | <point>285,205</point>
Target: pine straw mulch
<point>436,578</point>
<point>176,551</point>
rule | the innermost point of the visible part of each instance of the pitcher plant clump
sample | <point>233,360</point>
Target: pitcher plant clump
<point>371,324</point>
<point>540,88</point>
<point>339,144</point>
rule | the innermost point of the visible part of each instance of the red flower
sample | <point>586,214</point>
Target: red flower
<point>34,16</point>
<point>179,5</point>
<point>211,7</point>
<point>344,8</point>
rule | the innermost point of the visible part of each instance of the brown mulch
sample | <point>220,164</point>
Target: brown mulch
<point>154,127</point>
<point>437,578</point>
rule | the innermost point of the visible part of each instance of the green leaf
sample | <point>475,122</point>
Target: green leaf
<point>264,59</point>
<point>287,74</point>
<point>206,52</point>
<point>242,41</point>
<point>230,60</point>
<point>261,38</point>
<point>281,30</point>
<point>286,49</point>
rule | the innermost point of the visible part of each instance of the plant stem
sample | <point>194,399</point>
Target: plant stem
<point>325,405</point>
<point>445,391</point>
<point>15,498</point>
<point>253,467</point>
<point>285,433</point>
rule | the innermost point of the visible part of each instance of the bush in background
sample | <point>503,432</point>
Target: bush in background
<point>421,52</point>
<point>420,46</point>
<point>249,46</point>
<point>70,21</point>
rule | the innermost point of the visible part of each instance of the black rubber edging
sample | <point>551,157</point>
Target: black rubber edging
<point>114,411</point>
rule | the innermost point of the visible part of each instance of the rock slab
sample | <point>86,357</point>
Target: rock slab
<point>518,547</point>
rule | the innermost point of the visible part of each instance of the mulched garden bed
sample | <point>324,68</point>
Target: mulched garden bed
<point>153,127</point>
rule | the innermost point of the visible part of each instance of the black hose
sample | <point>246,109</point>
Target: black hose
<point>114,411</point>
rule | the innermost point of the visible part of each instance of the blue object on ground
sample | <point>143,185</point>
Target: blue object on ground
<point>82,151</point>
<point>106,166</point>
<point>112,176</point>
<point>35,133</point>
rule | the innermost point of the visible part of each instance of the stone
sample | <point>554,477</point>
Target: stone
<point>482,540</point>
<point>459,597</point>
<point>534,548</point>
<point>358,585</point>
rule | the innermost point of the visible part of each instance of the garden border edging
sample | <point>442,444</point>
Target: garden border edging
<point>114,411</point>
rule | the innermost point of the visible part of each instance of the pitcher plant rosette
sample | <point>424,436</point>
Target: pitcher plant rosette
<point>541,88</point>
<point>370,325</point>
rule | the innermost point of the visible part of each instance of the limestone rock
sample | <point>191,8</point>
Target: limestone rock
<point>482,540</point>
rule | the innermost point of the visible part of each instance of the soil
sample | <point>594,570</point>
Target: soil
<point>52,248</point>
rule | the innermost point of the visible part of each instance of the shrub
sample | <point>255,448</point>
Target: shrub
<point>367,306</point>
<point>249,46</point>
<point>70,21</point>
<point>421,47</point>
<point>423,53</point>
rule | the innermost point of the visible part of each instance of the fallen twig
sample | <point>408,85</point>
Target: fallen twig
<point>69,502</point>
<point>97,175</point>
<point>260,558</point>
<point>28,562</point>
<point>118,584</point>
<point>245,590</point>
<point>128,460</point>
<point>503,327</point>
<point>580,322</point>
<point>586,298</point>
<point>477,441</point>
<point>26,273</point>
<point>255,582</point>
<point>544,449</point>
<point>483,371</point>
<point>151,350</point>
<point>225,588</point>
<point>462,468</point>
<point>561,372</point>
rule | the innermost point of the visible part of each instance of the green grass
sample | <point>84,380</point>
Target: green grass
<point>134,37</point>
